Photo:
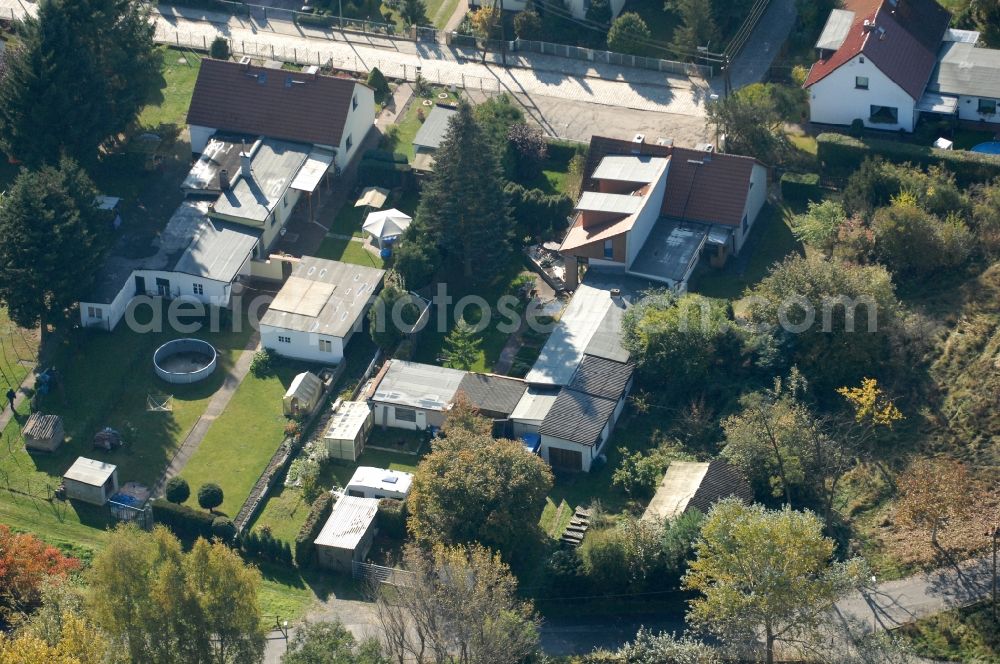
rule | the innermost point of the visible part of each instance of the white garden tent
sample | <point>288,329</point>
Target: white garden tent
<point>387,225</point>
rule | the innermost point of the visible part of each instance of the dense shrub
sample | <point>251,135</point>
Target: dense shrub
<point>210,496</point>
<point>177,490</point>
<point>839,156</point>
<point>377,173</point>
<point>262,363</point>
<point>800,187</point>
<point>219,49</point>
<point>536,213</point>
<point>376,81</point>
<point>386,155</point>
<point>224,528</point>
<point>305,552</point>
<point>912,241</point>
<point>392,518</point>
<point>185,522</point>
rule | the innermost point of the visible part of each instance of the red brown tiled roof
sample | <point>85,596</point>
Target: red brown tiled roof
<point>712,191</point>
<point>281,104</point>
<point>903,43</point>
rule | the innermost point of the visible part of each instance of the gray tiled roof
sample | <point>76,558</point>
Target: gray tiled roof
<point>495,395</point>
<point>578,417</point>
<point>601,377</point>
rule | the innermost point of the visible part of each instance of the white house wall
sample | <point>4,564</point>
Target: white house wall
<point>385,416</point>
<point>968,109</point>
<point>756,198</point>
<point>359,122</point>
<point>835,99</point>
<point>646,218</point>
<point>302,345</point>
<point>181,287</point>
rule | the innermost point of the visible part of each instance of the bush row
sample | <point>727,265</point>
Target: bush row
<point>391,518</point>
<point>305,552</point>
<point>385,155</point>
<point>800,187</point>
<point>372,172</point>
<point>184,521</point>
<point>840,156</point>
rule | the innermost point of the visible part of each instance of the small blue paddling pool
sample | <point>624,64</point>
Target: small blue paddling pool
<point>993,147</point>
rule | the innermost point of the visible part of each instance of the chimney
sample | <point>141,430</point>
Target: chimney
<point>868,26</point>
<point>245,162</point>
<point>637,142</point>
<point>224,180</point>
<point>616,294</point>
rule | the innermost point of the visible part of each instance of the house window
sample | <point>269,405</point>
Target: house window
<point>349,143</point>
<point>284,340</point>
<point>883,115</point>
<point>406,415</point>
<point>284,199</point>
<point>746,224</point>
<point>354,102</point>
<point>987,106</point>
<point>95,312</point>
<point>861,59</point>
<point>325,345</point>
<point>861,82</point>
<point>609,249</point>
<point>199,289</point>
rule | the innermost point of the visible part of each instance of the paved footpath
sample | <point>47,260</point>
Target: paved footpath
<point>527,74</point>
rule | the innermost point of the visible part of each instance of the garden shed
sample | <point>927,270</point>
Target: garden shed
<point>43,433</point>
<point>370,482</point>
<point>91,481</point>
<point>347,535</point>
<point>303,395</point>
<point>348,430</point>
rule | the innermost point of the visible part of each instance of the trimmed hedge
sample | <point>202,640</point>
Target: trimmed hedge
<point>385,155</point>
<point>184,521</point>
<point>372,172</point>
<point>305,552</point>
<point>840,156</point>
<point>800,187</point>
<point>391,518</point>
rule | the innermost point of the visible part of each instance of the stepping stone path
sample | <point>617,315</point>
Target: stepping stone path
<point>577,528</point>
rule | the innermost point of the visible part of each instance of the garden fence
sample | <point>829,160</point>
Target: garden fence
<point>613,58</point>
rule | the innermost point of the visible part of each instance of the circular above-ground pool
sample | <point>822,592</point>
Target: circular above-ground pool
<point>992,147</point>
<point>184,361</point>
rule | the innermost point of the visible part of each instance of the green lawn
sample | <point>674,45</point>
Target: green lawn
<point>771,240</point>
<point>348,251</point>
<point>350,219</point>
<point>17,347</point>
<point>401,138</point>
<point>169,100</point>
<point>285,510</point>
<point>439,11</point>
<point>238,445</point>
<point>555,169</point>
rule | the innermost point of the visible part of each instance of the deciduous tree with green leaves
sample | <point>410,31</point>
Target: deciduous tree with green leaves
<point>164,605</point>
<point>820,225</point>
<point>330,643</point>
<point>413,12</point>
<point>53,240</point>
<point>627,34</point>
<point>764,574</point>
<point>697,27</point>
<point>475,488</point>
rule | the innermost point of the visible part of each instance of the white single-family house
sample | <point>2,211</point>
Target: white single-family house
<point>319,307</point>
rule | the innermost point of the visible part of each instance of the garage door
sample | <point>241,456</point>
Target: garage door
<point>565,459</point>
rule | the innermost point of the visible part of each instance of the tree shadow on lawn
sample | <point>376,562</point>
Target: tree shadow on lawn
<point>320,583</point>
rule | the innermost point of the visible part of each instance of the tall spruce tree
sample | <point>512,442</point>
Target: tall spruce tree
<point>463,205</point>
<point>52,242</point>
<point>80,76</point>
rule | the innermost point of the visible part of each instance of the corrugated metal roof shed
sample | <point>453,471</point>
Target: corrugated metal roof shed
<point>417,385</point>
<point>964,69</point>
<point>590,324</point>
<point>578,417</point>
<point>317,164</point>
<point>90,471</point>
<point>349,521</point>
<point>348,420</point>
<point>218,251</point>
<point>434,128</point>
<point>688,484</point>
